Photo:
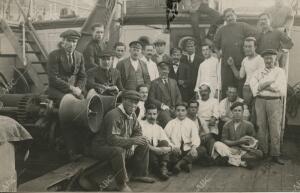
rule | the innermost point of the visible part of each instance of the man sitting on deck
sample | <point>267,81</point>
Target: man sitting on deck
<point>158,143</point>
<point>238,136</point>
<point>121,138</point>
<point>184,137</point>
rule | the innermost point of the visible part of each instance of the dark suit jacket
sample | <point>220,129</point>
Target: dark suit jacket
<point>62,75</point>
<point>97,77</point>
<point>193,73</point>
<point>91,54</point>
<point>159,93</point>
<point>166,58</point>
<point>123,67</point>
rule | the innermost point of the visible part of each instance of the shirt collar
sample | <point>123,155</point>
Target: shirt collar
<point>133,61</point>
<point>121,107</point>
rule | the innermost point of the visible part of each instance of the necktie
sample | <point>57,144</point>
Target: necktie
<point>70,58</point>
<point>190,59</point>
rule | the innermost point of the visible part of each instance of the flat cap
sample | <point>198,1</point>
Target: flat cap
<point>236,104</point>
<point>70,34</point>
<point>106,53</point>
<point>135,44</point>
<point>159,42</point>
<point>163,65</point>
<point>131,94</point>
<point>268,52</point>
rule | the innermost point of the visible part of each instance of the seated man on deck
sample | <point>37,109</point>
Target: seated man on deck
<point>104,79</point>
<point>120,139</point>
<point>158,141</point>
<point>185,140</point>
<point>239,142</point>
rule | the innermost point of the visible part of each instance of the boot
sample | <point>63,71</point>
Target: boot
<point>177,167</point>
<point>164,171</point>
<point>187,167</point>
<point>277,160</point>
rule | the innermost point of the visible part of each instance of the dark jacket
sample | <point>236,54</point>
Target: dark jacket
<point>193,73</point>
<point>123,67</point>
<point>91,54</point>
<point>98,77</point>
<point>62,75</point>
<point>117,129</point>
<point>159,93</point>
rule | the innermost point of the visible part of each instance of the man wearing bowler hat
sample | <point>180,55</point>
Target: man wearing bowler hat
<point>103,78</point>
<point>67,76</point>
<point>268,86</point>
<point>120,140</point>
<point>133,71</point>
<point>66,68</point>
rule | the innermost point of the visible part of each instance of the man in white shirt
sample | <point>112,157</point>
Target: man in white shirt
<point>159,143</point>
<point>185,140</point>
<point>143,90</point>
<point>208,110</point>
<point>250,64</point>
<point>120,49</point>
<point>269,86</point>
<point>209,71</point>
<point>225,104</point>
<point>147,52</point>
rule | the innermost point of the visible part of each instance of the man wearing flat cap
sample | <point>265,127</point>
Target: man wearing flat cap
<point>94,47</point>
<point>133,71</point>
<point>160,55</point>
<point>269,86</point>
<point>66,68</point>
<point>165,94</point>
<point>67,76</point>
<point>103,78</point>
<point>120,140</point>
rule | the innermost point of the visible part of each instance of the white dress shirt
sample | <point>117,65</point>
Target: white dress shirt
<point>175,67</point>
<point>153,133</point>
<point>152,68</point>
<point>141,105</point>
<point>208,108</point>
<point>209,72</point>
<point>191,57</point>
<point>134,63</point>
<point>116,60</point>
<point>277,89</point>
<point>250,66</point>
<point>183,130</point>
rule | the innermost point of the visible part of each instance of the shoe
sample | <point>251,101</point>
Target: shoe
<point>124,188</point>
<point>143,179</point>
<point>164,172</point>
<point>277,160</point>
<point>177,168</point>
<point>221,161</point>
<point>187,167</point>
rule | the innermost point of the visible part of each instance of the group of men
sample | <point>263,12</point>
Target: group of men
<point>192,107</point>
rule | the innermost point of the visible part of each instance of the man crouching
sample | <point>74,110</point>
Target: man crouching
<point>158,141</point>
<point>120,139</point>
<point>185,140</point>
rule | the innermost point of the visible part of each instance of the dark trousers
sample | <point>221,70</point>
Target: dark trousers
<point>116,155</point>
<point>174,158</point>
<point>203,9</point>
<point>155,161</point>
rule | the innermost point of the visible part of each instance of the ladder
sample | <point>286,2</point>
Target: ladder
<point>29,51</point>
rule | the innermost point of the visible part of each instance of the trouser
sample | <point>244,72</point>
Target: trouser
<point>155,161</point>
<point>207,142</point>
<point>175,158</point>
<point>268,119</point>
<point>203,9</point>
<point>252,154</point>
<point>249,101</point>
<point>164,117</point>
<point>116,155</point>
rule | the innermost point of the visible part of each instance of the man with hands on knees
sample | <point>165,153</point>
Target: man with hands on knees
<point>120,140</point>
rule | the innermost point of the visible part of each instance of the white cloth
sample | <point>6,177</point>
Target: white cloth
<point>152,68</point>
<point>250,66</point>
<point>8,174</point>
<point>209,72</point>
<point>134,63</point>
<point>116,61</point>
<point>141,105</point>
<point>223,150</point>
<point>183,130</point>
<point>225,112</point>
<point>153,133</point>
<point>279,86</point>
<point>175,68</point>
<point>208,109</point>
